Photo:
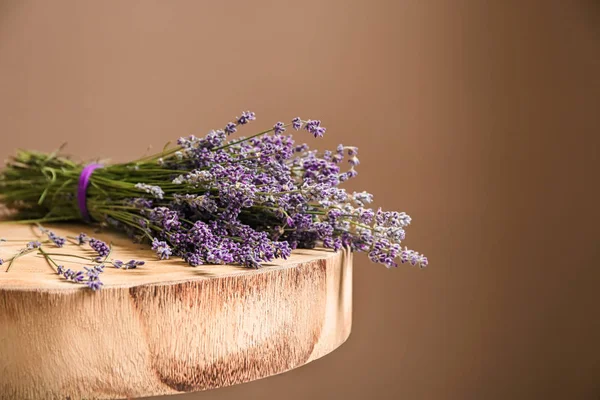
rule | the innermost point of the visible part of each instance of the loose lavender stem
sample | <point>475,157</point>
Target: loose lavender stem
<point>50,261</point>
<point>246,139</point>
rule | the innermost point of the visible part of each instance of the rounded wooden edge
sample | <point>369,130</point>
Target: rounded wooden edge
<point>33,273</point>
<point>179,335</point>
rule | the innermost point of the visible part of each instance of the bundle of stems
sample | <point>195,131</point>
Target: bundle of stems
<point>214,199</point>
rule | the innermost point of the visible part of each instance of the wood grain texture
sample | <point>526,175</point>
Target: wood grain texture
<point>164,328</point>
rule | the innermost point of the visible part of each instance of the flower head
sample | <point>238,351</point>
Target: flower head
<point>246,117</point>
<point>230,128</point>
<point>278,128</point>
<point>314,127</point>
<point>155,191</point>
<point>33,245</point>
<point>100,247</point>
<point>162,249</point>
<point>297,123</point>
<point>94,284</point>
<point>57,240</point>
<point>82,239</point>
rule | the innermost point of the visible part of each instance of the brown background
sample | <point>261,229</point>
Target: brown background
<point>480,119</point>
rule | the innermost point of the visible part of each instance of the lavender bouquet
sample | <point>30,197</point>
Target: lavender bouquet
<point>212,200</point>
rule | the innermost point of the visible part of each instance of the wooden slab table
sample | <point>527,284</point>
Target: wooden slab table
<point>165,327</point>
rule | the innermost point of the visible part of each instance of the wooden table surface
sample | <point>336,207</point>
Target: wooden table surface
<point>165,327</point>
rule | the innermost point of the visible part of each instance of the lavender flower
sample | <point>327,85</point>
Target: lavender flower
<point>33,245</point>
<point>162,249</point>
<point>132,264</point>
<point>230,128</point>
<point>57,240</point>
<point>297,123</point>
<point>195,178</point>
<point>94,284</point>
<point>82,239</point>
<point>95,271</point>
<point>278,128</point>
<point>155,191</point>
<point>246,117</point>
<point>100,247</point>
<point>413,258</point>
<point>70,275</point>
<point>1,261</point>
<point>314,127</point>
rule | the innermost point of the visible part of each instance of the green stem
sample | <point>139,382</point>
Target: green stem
<point>245,139</point>
<point>19,254</point>
<point>49,260</point>
<point>90,259</point>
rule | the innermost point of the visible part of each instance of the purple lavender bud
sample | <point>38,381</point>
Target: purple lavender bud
<point>314,127</point>
<point>77,276</point>
<point>57,240</point>
<point>33,245</point>
<point>94,272</point>
<point>405,256</point>
<point>60,270</point>
<point>333,214</point>
<point>404,219</point>
<point>319,131</point>
<point>117,263</point>
<point>278,128</point>
<point>100,247</point>
<point>297,123</point>
<point>246,117</point>
<point>366,216</point>
<point>162,249</point>
<point>94,284</point>
<point>250,262</point>
<point>82,239</point>
<point>230,128</point>
<point>337,244</point>
<point>1,261</point>
<point>354,161</point>
<point>194,259</point>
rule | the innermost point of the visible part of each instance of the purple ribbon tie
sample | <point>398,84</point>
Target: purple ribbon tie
<point>84,182</point>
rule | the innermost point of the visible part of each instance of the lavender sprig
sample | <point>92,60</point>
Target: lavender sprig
<point>100,247</point>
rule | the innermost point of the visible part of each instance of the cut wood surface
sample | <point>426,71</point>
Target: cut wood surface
<point>166,327</point>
